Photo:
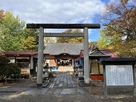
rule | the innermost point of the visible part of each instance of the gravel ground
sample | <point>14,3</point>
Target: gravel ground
<point>95,94</point>
<point>21,97</point>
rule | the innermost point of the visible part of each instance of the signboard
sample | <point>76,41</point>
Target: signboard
<point>119,75</point>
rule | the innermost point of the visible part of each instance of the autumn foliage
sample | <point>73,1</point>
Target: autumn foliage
<point>120,27</point>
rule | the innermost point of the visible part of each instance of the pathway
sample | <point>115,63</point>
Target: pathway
<point>64,80</point>
<point>63,83</point>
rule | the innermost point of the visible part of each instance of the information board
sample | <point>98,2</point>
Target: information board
<point>119,75</point>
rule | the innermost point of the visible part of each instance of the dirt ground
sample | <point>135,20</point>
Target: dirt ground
<point>23,83</point>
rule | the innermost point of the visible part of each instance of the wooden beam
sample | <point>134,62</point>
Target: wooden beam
<point>63,35</point>
<point>63,26</point>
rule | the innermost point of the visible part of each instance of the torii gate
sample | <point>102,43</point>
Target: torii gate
<point>41,28</point>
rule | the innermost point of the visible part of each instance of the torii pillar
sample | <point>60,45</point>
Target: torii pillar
<point>40,57</point>
<point>86,58</point>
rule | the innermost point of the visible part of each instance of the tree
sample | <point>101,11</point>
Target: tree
<point>29,44</point>
<point>11,32</point>
<point>14,36</point>
<point>29,40</point>
<point>71,39</point>
<point>104,41</point>
<point>121,18</point>
<point>120,30</point>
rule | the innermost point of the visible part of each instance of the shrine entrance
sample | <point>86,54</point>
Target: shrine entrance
<point>41,28</point>
<point>64,61</point>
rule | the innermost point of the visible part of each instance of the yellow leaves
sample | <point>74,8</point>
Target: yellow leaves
<point>29,44</point>
<point>120,22</point>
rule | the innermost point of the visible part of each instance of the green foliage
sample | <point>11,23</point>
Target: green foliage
<point>14,36</point>
<point>104,41</point>
<point>28,44</point>
<point>9,69</point>
<point>30,32</point>
<point>11,32</point>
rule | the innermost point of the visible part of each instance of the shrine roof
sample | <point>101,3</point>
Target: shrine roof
<point>63,48</point>
<point>100,53</point>
<point>18,53</point>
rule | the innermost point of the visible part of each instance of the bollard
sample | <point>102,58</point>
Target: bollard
<point>76,71</point>
<point>80,73</point>
<point>46,74</point>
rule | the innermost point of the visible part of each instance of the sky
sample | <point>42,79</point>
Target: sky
<point>58,11</point>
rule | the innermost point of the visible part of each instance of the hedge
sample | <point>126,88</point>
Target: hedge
<point>8,69</point>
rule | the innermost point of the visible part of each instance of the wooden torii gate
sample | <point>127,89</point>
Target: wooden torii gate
<point>41,28</point>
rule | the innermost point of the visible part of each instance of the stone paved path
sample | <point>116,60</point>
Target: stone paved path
<point>63,83</point>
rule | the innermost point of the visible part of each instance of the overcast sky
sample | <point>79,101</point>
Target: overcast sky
<point>57,11</point>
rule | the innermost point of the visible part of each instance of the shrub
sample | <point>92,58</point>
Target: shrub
<point>7,69</point>
<point>13,69</point>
